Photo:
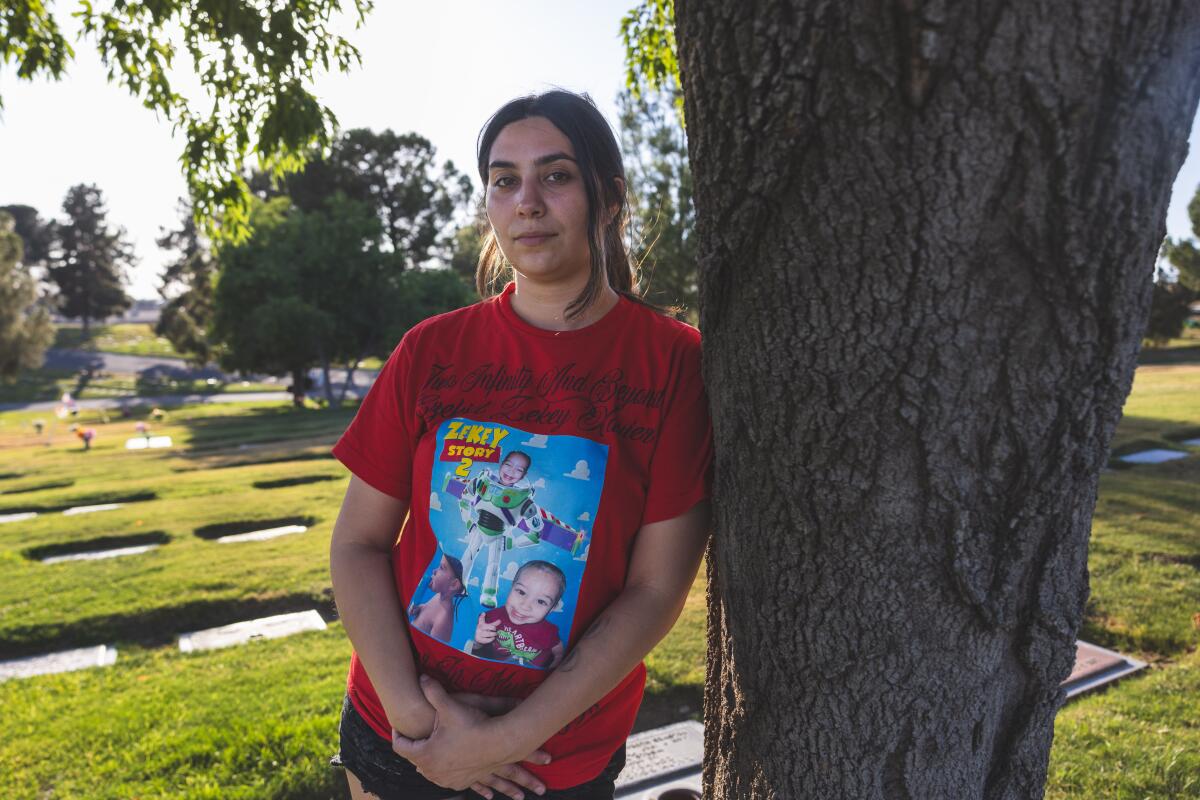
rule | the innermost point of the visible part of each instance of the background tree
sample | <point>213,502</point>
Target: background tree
<point>36,234</point>
<point>397,175</point>
<point>25,328</point>
<point>268,313</point>
<point>89,260</point>
<point>314,289</point>
<point>465,247</point>
<point>187,290</point>
<point>1183,254</point>
<point>656,163</point>
<point>254,63</point>
<point>1169,312</point>
<point>926,241</point>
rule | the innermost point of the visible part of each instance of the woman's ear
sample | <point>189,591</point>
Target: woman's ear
<point>615,208</point>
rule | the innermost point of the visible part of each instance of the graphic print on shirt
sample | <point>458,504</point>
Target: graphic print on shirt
<point>511,512</point>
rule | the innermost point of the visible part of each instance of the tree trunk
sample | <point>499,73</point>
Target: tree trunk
<point>349,380</point>
<point>927,234</point>
<point>328,385</point>
<point>299,386</point>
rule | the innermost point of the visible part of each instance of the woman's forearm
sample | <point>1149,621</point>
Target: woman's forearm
<point>612,646</point>
<point>662,569</point>
<point>370,610</point>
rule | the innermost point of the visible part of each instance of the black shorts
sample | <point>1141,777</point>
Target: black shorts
<point>390,777</point>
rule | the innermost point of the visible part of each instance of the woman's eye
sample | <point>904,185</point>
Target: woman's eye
<point>503,182</point>
<point>558,177</point>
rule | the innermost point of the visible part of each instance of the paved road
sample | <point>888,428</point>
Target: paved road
<point>174,367</point>
<point>119,362</point>
<point>124,364</point>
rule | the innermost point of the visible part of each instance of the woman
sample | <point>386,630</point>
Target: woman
<point>602,394</point>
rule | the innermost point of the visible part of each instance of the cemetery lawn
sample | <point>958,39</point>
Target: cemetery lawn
<point>130,338</point>
<point>260,720</point>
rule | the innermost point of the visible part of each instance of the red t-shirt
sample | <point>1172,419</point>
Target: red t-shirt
<point>532,641</point>
<point>516,444</point>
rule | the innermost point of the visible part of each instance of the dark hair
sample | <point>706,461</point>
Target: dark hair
<point>549,569</point>
<point>599,159</point>
<point>457,568</point>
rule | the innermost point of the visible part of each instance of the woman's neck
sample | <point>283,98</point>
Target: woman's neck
<point>546,306</point>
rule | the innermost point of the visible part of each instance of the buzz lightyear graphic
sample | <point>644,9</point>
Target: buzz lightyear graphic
<point>501,514</point>
<point>515,511</point>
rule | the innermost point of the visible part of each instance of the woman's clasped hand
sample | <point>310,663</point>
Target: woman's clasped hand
<point>468,748</point>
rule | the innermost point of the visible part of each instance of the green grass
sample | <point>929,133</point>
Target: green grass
<point>162,593</point>
<point>260,721</point>
<point>131,338</point>
<point>1140,740</point>
<point>248,722</point>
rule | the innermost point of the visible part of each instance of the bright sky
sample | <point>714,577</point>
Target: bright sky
<point>439,69</point>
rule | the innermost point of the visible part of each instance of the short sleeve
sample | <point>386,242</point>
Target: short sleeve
<point>379,443</point>
<point>681,467</point>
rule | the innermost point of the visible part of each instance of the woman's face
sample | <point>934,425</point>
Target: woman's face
<point>537,204</point>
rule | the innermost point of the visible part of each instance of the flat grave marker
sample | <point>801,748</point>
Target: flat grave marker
<point>20,517</point>
<point>263,535</point>
<point>1096,666</point>
<point>660,759</point>
<point>1157,456</point>
<point>91,509</point>
<point>66,661</point>
<point>272,627</point>
<point>147,442</point>
<point>96,555</point>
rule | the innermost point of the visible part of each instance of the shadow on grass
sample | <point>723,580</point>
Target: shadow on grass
<point>300,480</point>
<point>256,462</point>
<point>8,476</point>
<point>35,386</point>
<point>40,486</point>
<point>87,500</point>
<point>1183,432</point>
<point>155,627</point>
<point>669,705</point>
<point>71,338</point>
<point>220,529</point>
<point>273,425</point>
<point>1175,558</point>
<point>99,543</point>
<point>1169,355</point>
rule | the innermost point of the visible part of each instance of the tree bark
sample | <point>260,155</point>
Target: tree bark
<point>927,234</point>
